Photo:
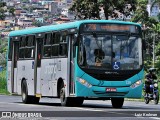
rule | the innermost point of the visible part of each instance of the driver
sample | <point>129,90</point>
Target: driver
<point>98,62</point>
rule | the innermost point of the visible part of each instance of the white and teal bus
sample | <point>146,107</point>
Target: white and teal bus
<point>88,59</point>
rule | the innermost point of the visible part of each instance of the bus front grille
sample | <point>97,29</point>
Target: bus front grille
<point>111,75</point>
<point>110,93</point>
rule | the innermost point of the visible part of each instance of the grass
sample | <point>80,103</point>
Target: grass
<point>3,83</point>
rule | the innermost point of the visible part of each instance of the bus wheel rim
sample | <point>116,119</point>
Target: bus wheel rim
<point>62,95</point>
<point>23,96</point>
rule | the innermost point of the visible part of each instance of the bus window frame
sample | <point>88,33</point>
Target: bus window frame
<point>10,49</point>
<point>26,47</point>
<point>47,45</point>
<point>21,47</point>
<point>64,33</point>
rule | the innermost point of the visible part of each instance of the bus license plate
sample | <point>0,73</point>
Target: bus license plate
<point>111,89</point>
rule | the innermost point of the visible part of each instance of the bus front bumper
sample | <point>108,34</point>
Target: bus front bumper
<point>98,91</point>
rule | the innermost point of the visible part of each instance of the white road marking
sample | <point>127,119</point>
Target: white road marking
<point>22,104</point>
<point>156,118</point>
<point>87,109</point>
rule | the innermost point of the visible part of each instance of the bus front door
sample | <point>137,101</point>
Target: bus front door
<point>14,71</point>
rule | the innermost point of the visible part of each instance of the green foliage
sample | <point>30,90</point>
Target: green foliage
<point>87,9</point>
<point>25,1</point>
<point>11,10</point>
<point>140,14</point>
<point>158,17</point>
<point>37,23</point>
<point>3,83</point>
<point>3,52</point>
<point>3,10</point>
<point>2,4</point>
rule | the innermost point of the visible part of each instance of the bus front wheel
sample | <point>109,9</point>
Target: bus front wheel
<point>117,102</point>
<point>69,101</point>
<point>65,101</point>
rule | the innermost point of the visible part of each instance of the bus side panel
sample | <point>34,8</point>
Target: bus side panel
<point>46,76</point>
<point>15,80</point>
<point>26,71</point>
<point>61,72</point>
<point>9,76</point>
<point>38,91</point>
<point>52,70</point>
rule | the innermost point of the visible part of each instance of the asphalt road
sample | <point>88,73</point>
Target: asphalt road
<point>50,108</point>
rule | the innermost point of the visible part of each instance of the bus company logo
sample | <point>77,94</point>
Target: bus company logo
<point>114,73</point>
<point>6,115</point>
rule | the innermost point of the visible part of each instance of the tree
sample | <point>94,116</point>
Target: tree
<point>158,17</point>
<point>37,23</point>
<point>141,13</point>
<point>152,5</point>
<point>87,9</point>
<point>2,10</point>
<point>11,11</point>
<point>25,1</point>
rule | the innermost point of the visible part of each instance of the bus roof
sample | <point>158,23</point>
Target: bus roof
<point>63,26</point>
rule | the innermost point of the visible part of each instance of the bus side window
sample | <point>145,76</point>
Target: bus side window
<point>63,49</point>
<point>22,47</point>
<point>63,45</point>
<point>30,46</point>
<point>55,45</point>
<point>10,49</point>
<point>56,37</point>
<point>47,45</point>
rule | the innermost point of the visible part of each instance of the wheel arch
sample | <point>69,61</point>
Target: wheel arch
<point>59,83</point>
<point>23,79</point>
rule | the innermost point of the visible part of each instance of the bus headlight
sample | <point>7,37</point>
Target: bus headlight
<point>136,84</point>
<point>84,82</point>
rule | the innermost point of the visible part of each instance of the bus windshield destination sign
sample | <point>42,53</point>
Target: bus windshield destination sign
<point>111,28</point>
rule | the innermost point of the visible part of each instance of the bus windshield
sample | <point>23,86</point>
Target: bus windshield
<point>110,52</point>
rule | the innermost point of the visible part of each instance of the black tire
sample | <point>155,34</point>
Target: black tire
<point>35,100</point>
<point>69,101</point>
<point>65,101</point>
<point>77,101</point>
<point>25,97</point>
<point>117,102</point>
<point>146,99</point>
<point>24,90</point>
<point>156,100</point>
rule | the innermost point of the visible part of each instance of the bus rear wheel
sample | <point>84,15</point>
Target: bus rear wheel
<point>25,97</point>
<point>117,102</point>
